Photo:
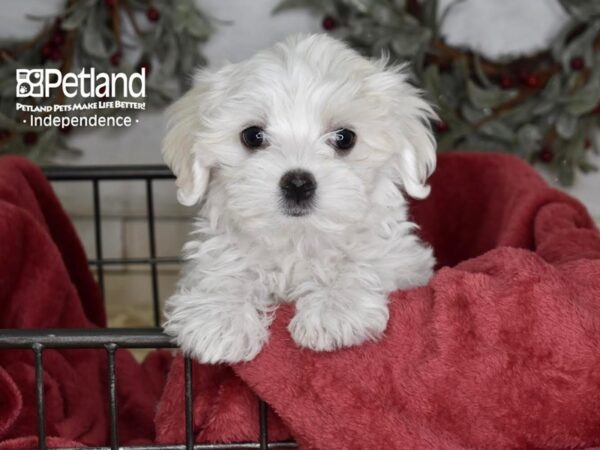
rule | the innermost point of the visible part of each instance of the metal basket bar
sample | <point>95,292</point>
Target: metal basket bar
<point>126,261</point>
<point>152,247</point>
<point>236,446</point>
<point>87,173</point>
<point>39,393</point>
<point>112,395</point>
<point>85,338</point>
<point>98,235</point>
<point>262,418</point>
<point>189,420</point>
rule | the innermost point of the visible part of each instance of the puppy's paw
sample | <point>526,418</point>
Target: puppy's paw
<point>326,321</point>
<point>212,335</point>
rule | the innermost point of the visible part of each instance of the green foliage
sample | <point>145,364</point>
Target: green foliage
<point>548,114</point>
<point>118,36</point>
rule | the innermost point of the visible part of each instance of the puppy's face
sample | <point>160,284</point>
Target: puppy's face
<point>306,134</point>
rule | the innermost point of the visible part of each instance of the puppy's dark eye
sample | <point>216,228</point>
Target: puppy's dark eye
<point>253,137</point>
<point>344,140</point>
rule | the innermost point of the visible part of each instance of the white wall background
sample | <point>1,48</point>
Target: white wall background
<point>500,28</point>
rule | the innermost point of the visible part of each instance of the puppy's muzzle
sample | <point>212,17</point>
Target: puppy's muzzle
<point>298,189</point>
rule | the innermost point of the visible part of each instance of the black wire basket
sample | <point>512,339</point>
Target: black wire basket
<point>112,339</point>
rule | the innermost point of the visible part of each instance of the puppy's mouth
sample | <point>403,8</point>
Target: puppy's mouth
<point>296,210</point>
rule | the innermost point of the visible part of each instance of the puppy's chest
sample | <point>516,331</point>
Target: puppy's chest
<point>284,273</point>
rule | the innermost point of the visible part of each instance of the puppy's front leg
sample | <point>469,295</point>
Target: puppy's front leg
<point>347,310</point>
<point>219,318</point>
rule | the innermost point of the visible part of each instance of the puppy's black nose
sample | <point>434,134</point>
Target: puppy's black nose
<point>298,187</point>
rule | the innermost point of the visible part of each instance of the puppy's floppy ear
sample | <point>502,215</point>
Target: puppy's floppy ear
<point>180,147</point>
<point>414,145</point>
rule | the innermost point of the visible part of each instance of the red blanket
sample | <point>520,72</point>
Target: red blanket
<point>500,350</point>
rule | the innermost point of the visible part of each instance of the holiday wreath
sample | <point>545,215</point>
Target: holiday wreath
<point>543,107</point>
<point>159,37</point>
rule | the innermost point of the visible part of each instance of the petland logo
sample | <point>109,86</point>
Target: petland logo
<point>40,82</point>
<point>93,98</point>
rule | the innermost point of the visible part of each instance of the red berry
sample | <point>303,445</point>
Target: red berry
<point>529,79</point>
<point>441,126</point>
<point>577,63</point>
<point>413,7</point>
<point>445,65</point>
<point>65,130</point>
<point>58,38</point>
<point>4,134</point>
<point>587,143</point>
<point>56,55</point>
<point>47,51</point>
<point>115,58</point>
<point>109,3</point>
<point>596,110</point>
<point>546,155</point>
<point>153,14</point>
<point>144,65</point>
<point>533,81</point>
<point>30,138</point>
<point>507,82</point>
<point>102,91</point>
<point>523,75</point>
<point>329,23</point>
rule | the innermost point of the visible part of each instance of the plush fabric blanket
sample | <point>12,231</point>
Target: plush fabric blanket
<point>500,350</point>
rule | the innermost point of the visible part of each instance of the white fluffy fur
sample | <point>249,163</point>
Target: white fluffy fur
<point>338,263</point>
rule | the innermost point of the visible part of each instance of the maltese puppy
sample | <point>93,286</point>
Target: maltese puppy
<point>300,158</point>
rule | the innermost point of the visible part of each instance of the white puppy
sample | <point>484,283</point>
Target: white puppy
<point>299,156</point>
